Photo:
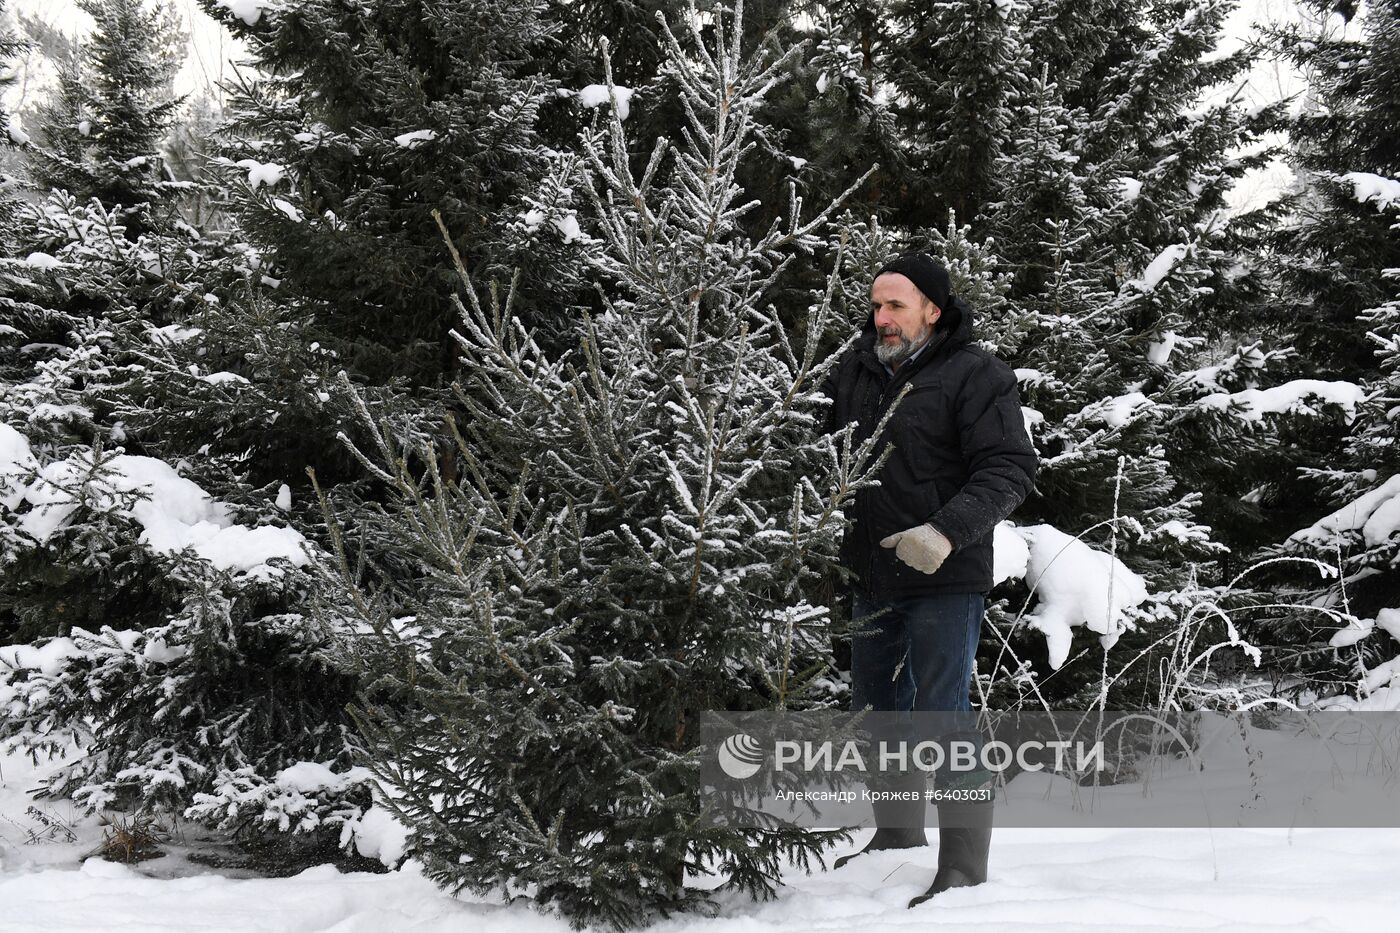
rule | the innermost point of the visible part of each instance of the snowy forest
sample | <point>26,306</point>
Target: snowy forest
<point>400,446</point>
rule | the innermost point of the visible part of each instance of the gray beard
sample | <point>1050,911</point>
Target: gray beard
<point>892,356</point>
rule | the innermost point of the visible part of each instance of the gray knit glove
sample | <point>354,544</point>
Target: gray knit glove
<point>922,547</point>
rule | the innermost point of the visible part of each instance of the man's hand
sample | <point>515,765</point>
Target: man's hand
<point>922,547</point>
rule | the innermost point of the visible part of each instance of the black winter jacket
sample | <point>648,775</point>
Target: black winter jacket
<point>962,460</point>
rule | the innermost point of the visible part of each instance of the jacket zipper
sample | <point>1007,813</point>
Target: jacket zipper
<point>890,383</point>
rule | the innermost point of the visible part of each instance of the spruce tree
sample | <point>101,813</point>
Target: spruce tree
<point>358,124</point>
<point>103,129</point>
<point>1336,250</point>
<point>17,311</point>
<point>153,602</point>
<point>10,46</point>
<point>570,58</point>
<point>1338,257</point>
<point>1109,216</point>
<point>149,594</point>
<point>952,63</point>
<point>628,544</point>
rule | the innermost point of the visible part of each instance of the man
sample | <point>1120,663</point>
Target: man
<point>920,545</point>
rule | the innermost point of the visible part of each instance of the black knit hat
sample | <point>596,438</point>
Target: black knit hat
<point>927,274</point>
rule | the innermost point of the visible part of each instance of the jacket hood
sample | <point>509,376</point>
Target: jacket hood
<point>956,319</point>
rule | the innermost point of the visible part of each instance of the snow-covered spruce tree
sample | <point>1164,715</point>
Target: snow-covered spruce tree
<point>151,629</point>
<point>1169,137</point>
<point>1333,253</point>
<point>102,130</point>
<point>1109,212</point>
<point>1339,259</point>
<point>92,274</point>
<point>628,543</point>
<point>10,46</point>
<point>569,56</point>
<point>16,308</point>
<point>1337,641</point>
<point>1109,216</point>
<point>113,270</point>
<point>149,580</point>
<point>362,119</point>
<point>849,125</point>
<point>95,171</point>
<point>952,64</point>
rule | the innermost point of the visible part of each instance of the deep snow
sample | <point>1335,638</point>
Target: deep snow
<point>1062,880</point>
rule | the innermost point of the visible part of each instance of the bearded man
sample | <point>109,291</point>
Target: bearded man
<point>919,549</point>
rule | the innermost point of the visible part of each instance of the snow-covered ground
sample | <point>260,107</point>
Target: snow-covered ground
<point>1041,879</point>
<point>1236,880</point>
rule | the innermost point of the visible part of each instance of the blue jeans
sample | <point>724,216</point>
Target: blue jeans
<point>916,654</point>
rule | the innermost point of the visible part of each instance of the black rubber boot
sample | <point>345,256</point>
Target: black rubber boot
<point>899,823</point>
<point>964,838</point>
